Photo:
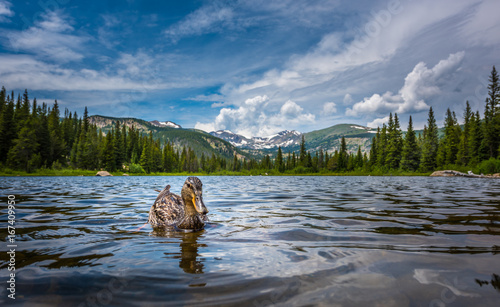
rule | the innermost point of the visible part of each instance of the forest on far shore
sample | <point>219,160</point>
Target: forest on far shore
<point>35,139</point>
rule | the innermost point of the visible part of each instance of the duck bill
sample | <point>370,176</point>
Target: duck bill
<point>200,206</point>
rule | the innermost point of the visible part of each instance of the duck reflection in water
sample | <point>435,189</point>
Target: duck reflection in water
<point>189,260</point>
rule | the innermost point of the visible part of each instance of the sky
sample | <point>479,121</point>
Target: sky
<point>253,67</point>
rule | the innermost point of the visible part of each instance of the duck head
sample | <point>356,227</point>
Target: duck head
<point>192,195</point>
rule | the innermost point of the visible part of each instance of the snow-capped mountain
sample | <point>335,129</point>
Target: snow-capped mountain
<point>164,124</point>
<point>282,139</point>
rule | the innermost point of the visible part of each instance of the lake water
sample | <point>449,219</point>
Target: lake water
<point>284,241</point>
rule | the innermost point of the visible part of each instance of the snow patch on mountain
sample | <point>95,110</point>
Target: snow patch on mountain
<point>282,139</point>
<point>165,124</point>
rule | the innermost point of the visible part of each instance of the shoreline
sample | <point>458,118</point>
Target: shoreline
<point>85,173</point>
<point>88,173</point>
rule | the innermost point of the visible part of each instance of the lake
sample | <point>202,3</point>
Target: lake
<point>284,241</point>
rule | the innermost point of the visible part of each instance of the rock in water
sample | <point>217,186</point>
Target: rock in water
<point>103,173</point>
<point>450,173</point>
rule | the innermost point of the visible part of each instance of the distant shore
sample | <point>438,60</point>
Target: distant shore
<point>93,173</point>
<point>77,172</point>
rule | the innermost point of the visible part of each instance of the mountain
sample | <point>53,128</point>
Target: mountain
<point>199,141</point>
<point>327,139</point>
<point>284,139</point>
<point>226,143</point>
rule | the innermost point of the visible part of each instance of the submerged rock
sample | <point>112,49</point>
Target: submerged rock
<point>103,173</point>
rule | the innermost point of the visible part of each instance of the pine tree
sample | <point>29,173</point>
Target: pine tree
<point>125,155</point>
<point>22,113</point>
<point>57,145</point>
<point>373,149</point>
<point>382,147</point>
<point>85,120</point>
<point>24,148</point>
<point>451,139</point>
<point>109,160</point>
<point>303,152</point>
<point>118,146</point>
<point>463,155</point>
<point>42,134</point>
<point>476,140</point>
<point>411,154</point>
<point>321,159</point>
<point>333,162</point>
<point>394,143</point>
<point>359,158</point>
<point>3,100</point>
<point>156,162</point>
<point>7,129</point>
<point>430,144</point>
<point>308,160</point>
<point>343,156</point>
<point>279,165</point>
<point>492,116</point>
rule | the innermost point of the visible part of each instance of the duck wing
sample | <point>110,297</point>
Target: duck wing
<point>166,210</point>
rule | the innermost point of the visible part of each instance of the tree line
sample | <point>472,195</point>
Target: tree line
<point>34,136</point>
<point>477,140</point>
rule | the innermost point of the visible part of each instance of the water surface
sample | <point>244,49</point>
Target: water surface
<point>285,241</point>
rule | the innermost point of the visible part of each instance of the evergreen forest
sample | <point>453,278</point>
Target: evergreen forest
<point>36,137</point>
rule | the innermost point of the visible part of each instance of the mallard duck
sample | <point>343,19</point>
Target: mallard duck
<point>182,212</point>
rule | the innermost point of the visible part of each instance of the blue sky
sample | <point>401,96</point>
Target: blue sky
<point>252,67</point>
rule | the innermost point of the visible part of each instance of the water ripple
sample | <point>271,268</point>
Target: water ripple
<point>270,241</point>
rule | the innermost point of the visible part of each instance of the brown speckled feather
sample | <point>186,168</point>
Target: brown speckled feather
<point>167,210</point>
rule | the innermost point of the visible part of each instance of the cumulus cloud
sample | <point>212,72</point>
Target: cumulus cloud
<point>253,119</point>
<point>420,84</point>
<point>378,122</point>
<point>348,60</point>
<point>329,108</point>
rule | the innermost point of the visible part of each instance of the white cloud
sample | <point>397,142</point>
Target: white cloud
<point>347,60</point>
<point>108,33</point>
<point>49,38</point>
<point>208,19</point>
<point>211,97</point>
<point>347,99</point>
<point>54,22</point>
<point>420,84</point>
<point>5,11</point>
<point>378,122</point>
<point>484,25</point>
<point>329,108</point>
<point>253,119</point>
<point>19,70</point>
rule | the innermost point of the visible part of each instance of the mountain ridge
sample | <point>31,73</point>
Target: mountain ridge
<point>200,141</point>
<point>226,143</point>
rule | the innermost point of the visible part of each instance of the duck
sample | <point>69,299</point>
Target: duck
<point>184,212</point>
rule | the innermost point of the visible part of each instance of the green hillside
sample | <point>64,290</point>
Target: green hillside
<point>199,141</point>
<point>329,138</point>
